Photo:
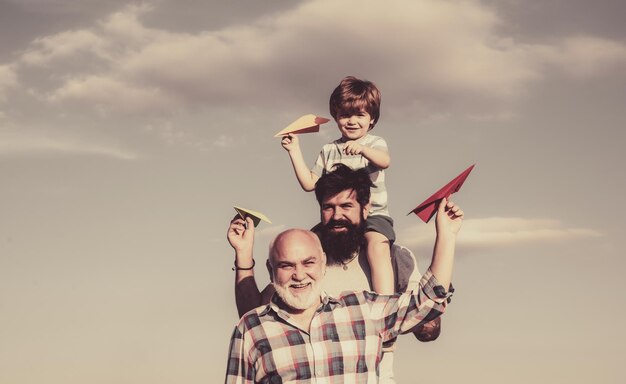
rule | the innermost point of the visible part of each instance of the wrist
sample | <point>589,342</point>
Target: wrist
<point>446,237</point>
<point>243,255</point>
<point>245,267</point>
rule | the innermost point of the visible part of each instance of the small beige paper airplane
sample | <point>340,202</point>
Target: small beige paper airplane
<point>255,216</point>
<point>304,124</point>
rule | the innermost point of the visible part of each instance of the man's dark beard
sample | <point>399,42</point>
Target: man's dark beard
<point>340,246</point>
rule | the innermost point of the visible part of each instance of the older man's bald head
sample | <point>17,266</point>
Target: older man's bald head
<point>294,238</point>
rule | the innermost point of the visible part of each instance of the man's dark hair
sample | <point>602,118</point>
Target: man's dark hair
<point>342,178</point>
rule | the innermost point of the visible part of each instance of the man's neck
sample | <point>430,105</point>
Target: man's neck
<point>303,318</point>
<point>353,255</point>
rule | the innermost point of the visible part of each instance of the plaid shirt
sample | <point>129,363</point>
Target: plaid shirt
<point>344,343</point>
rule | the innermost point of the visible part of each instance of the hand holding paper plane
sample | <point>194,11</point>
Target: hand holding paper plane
<point>255,216</point>
<point>305,124</point>
<point>427,209</point>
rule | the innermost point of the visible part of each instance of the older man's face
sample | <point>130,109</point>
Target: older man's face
<point>298,267</point>
<point>342,209</point>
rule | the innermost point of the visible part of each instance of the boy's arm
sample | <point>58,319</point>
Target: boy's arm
<point>377,156</point>
<point>306,178</point>
<point>241,238</point>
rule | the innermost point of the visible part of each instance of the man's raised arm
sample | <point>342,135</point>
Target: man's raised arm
<point>448,224</point>
<point>241,237</point>
<point>404,260</point>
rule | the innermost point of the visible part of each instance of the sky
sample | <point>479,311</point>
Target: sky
<point>129,130</point>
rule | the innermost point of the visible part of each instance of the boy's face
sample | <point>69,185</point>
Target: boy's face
<point>353,126</point>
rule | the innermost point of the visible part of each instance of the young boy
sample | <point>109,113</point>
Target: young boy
<point>355,106</point>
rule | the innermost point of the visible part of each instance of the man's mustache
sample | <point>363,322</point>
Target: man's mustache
<point>339,223</point>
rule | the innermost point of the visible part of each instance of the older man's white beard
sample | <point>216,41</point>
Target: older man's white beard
<point>302,301</point>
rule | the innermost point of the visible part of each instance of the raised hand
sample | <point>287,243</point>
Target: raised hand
<point>240,235</point>
<point>449,218</point>
<point>290,142</point>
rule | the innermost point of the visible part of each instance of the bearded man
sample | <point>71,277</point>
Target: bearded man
<point>344,199</point>
<point>304,335</point>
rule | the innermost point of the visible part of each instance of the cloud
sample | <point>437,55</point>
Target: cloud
<point>110,40</point>
<point>108,95</point>
<point>436,58</point>
<point>8,80</point>
<point>585,56</point>
<point>14,142</point>
<point>496,232</point>
<point>225,141</point>
<point>67,44</point>
<point>280,55</point>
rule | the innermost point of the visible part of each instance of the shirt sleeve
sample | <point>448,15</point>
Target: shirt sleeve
<point>318,168</point>
<point>401,312</point>
<point>405,267</point>
<point>379,143</point>
<point>240,369</point>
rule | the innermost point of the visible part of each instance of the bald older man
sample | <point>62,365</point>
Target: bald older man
<point>305,335</point>
<point>344,199</point>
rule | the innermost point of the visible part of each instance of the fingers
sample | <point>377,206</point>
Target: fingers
<point>455,212</point>
<point>286,141</point>
<point>290,142</point>
<point>237,225</point>
<point>237,220</point>
<point>441,208</point>
<point>352,148</point>
<point>249,223</point>
<point>449,208</point>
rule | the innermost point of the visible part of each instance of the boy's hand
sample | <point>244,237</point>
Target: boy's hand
<point>449,218</point>
<point>352,148</point>
<point>240,235</point>
<point>290,142</point>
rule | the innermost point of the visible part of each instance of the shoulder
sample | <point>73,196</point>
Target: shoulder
<point>404,266</point>
<point>334,143</point>
<point>374,137</point>
<point>375,141</point>
<point>330,147</point>
<point>354,298</point>
<point>401,253</point>
<point>252,318</point>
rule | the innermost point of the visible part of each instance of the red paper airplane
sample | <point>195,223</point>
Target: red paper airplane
<point>427,209</point>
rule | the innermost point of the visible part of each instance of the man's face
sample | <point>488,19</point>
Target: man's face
<point>298,268</point>
<point>341,209</point>
<point>343,226</point>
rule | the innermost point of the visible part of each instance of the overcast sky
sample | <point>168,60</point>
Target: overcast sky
<point>128,130</point>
